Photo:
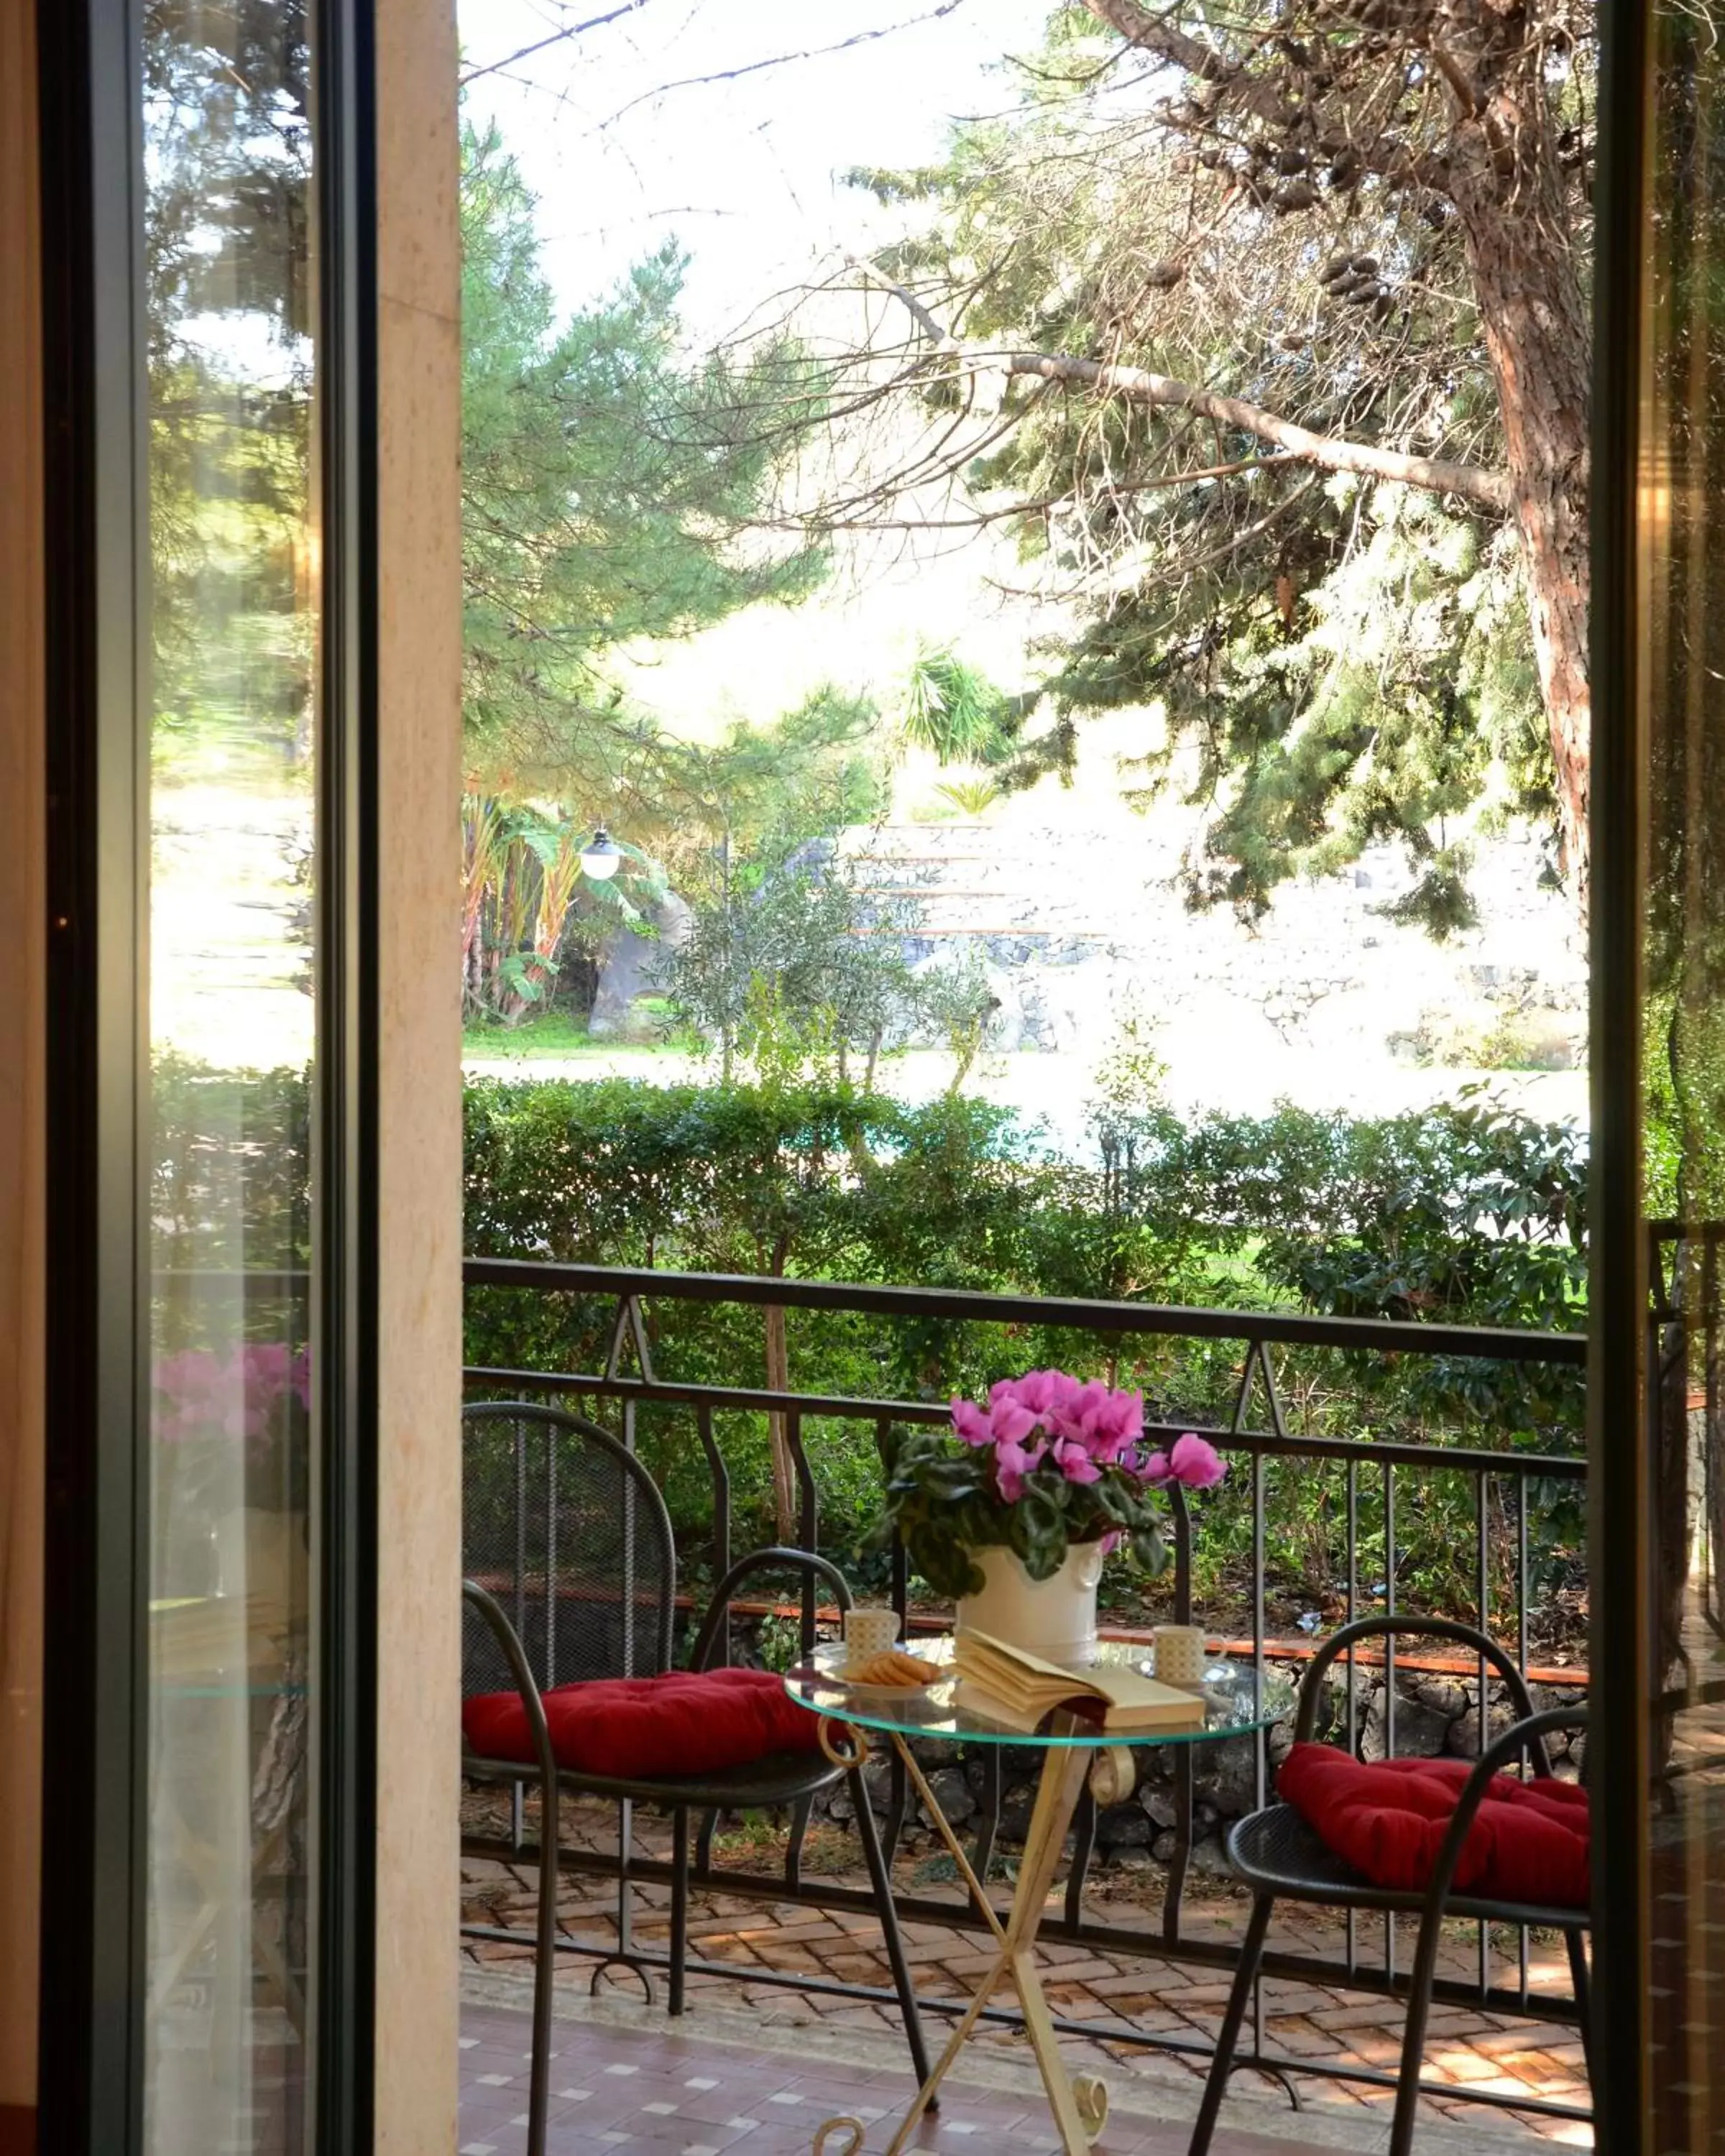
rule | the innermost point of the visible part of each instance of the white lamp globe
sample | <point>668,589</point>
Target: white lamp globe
<point>601,857</point>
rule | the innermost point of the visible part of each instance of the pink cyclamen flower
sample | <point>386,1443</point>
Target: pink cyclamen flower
<point>1013,1463</point>
<point>199,1395</point>
<point>1006,1420</point>
<point>1195,1462</point>
<point>1155,1469</point>
<point>1044,1392</point>
<point>1105,1423</point>
<point>972,1424</point>
<point>1011,1420</point>
<point>1074,1462</point>
<point>193,1383</point>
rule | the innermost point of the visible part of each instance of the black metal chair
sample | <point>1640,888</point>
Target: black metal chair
<point>1279,1857</point>
<point>573,1574</point>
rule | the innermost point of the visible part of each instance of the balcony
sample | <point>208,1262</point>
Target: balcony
<point>1138,1950</point>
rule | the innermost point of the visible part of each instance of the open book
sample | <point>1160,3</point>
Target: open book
<point>1014,1686</point>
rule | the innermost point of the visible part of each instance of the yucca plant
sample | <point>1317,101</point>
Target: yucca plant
<point>949,707</point>
<point>970,796</point>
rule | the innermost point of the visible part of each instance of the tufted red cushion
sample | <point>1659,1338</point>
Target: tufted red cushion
<point>633,1727</point>
<point>1528,1841</point>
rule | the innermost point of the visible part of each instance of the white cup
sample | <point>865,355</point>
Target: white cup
<point>868,1632</point>
<point>1180,1656</point>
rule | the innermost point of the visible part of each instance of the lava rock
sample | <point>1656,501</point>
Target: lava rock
<point>1231,1785</point>
<point>951,1792</point>
<point>1451,1700</point>
<point>1462,1739</point>
<point>877,1780</point>
<point>1122,1826</point>
<point>630,967</point>
<point>1420,1730</point>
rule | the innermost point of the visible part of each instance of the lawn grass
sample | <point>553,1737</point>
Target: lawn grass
<point>560,1034</point>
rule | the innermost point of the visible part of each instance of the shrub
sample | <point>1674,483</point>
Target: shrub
<point>1466,1214</point>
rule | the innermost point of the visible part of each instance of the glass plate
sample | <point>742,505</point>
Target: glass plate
<point>830,1660</point>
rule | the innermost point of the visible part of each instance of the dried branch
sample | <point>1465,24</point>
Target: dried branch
<point>780,59</point>
<point>556,38</point>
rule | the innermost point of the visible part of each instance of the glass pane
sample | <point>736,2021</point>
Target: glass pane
<point>230,270</point>
<point>1682,483</point>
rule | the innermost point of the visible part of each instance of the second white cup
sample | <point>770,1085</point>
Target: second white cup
<point>1180,1655</point>
<point>869,1632</point>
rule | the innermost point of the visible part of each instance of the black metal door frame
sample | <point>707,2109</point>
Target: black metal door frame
<point>97,1527</point>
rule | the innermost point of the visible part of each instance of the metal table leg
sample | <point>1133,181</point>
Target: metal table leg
<point>1079,2105</point>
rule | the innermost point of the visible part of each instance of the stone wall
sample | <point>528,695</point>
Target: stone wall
<point>1069,927</point>
<point>1437,1716</point>
<point>1434,1718</point>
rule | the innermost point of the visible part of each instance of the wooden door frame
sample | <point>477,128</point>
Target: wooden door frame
<point>393,599</point>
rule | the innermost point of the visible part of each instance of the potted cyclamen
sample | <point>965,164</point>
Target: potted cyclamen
<point>1050,1477</point>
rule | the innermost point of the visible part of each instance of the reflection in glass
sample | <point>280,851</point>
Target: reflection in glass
<point>1681,483</point>
<point>233,609</point>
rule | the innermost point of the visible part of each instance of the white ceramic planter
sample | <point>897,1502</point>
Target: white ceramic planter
<point>1055,1618</point>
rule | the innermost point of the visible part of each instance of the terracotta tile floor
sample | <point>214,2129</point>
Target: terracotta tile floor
<point>646,2092</point>
<point>1303,2020</point>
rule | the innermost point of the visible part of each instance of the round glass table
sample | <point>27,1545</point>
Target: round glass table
<point>1238,1699</point>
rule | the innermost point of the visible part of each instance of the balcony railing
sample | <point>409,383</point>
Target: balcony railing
<point>1388,1477</point>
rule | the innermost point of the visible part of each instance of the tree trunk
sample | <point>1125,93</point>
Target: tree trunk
<point>1535,323</point>
<point>786,1496</point>
<point>787,1493</point>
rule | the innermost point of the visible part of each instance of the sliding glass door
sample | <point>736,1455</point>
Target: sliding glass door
<point>210,1352</point>
<point>1657,1744</point>
<point>235,725</point>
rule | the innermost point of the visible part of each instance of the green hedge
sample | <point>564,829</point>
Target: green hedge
<point>1464,1213</point>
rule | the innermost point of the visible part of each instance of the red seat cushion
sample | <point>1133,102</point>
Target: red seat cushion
<point>633,1727</point>
<point>1528,1841</point>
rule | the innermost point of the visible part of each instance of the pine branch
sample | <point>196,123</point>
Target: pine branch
<point>1156,33</point>
<point>1485,487</point>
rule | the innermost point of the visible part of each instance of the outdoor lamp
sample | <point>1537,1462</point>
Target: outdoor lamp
<point>601,857</point>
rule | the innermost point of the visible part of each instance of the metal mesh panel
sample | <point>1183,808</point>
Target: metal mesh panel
<point>567,1531</point>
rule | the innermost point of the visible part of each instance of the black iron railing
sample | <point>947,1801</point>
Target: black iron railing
<point>1387,1474</point>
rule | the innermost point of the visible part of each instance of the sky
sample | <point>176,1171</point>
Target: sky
<point>747,174</point>
<point>624,147</point>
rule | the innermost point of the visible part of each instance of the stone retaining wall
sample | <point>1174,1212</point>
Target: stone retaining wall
<point>1435,1716</point>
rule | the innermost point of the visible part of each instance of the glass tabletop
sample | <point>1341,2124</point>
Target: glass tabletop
<point>1239,1697</point>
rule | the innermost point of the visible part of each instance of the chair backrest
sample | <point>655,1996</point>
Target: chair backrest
<point>1492,1657</point>
<point>563,1526</point>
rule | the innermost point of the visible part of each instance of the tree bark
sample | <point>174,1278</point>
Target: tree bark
<point>787,1493</point>
<point>1535,331</point>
